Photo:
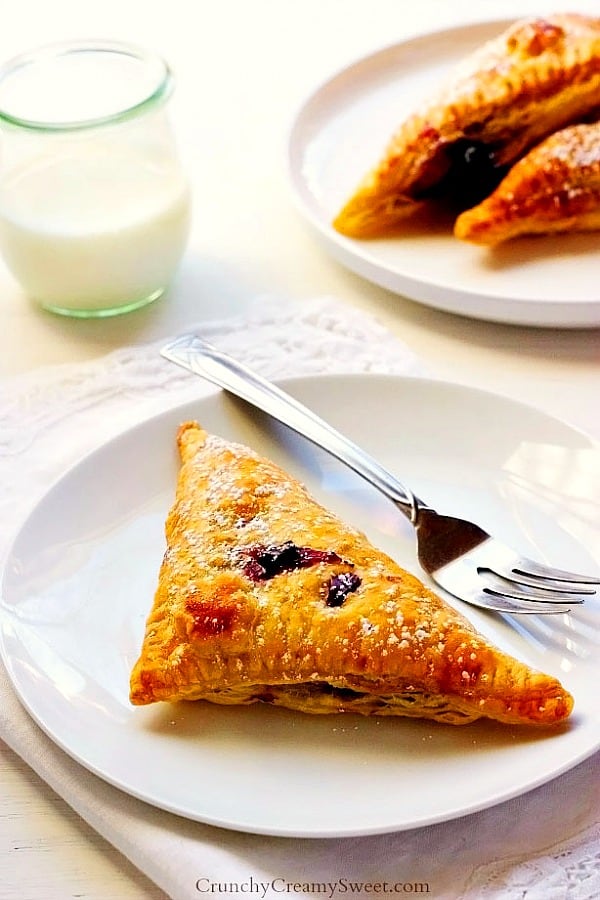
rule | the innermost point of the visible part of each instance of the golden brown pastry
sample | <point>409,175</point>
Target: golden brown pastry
<point>537,77</point>
<point>264,595</point>
<point>554,188</point>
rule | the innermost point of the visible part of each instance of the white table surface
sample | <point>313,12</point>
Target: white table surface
<point>243,67</point>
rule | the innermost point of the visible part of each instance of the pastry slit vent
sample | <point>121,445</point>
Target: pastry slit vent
<point>263,563</point>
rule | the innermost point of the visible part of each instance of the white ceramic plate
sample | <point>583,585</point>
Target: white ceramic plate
<point>341,131</point>
<point>79,581</point>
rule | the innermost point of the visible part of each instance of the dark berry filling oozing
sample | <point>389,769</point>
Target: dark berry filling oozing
<point>473,173</point>
<point>340,586</point>
<point>267,562</point>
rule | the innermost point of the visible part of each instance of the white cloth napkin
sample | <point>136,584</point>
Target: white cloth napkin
<point>543,845</point>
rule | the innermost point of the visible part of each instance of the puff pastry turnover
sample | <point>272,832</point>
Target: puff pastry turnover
<point>264,595</point>
<point>539,76</point>
<point>554,188</point>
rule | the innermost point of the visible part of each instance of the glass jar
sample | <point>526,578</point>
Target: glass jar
<point>94,205</point>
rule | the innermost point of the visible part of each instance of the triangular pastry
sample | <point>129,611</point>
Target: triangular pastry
<point>538,76</point>
<point>264,595</point>
<point>554,188</point>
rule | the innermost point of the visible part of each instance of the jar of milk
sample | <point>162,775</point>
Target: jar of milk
<point>94,205</point>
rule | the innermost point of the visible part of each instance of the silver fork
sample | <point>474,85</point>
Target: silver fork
<point>458,555</point>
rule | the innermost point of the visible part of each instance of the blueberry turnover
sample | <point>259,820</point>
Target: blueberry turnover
<point>540,75</point>
<point>265,595</point>
<point>554,188</point>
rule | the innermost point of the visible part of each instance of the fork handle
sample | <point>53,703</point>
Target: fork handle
<point>198,356</point>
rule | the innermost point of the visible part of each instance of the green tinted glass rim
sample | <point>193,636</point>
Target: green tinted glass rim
<point>155,97</point>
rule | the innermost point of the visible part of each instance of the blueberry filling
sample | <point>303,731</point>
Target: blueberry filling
<point>340,586</point>
<point>267,562</point>
<point>473,173</point>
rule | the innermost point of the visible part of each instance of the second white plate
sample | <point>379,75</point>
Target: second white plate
<point>339,134</point>
<point>79,581</point>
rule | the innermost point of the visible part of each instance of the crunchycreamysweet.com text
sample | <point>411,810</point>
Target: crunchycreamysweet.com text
<point>326,889</point>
